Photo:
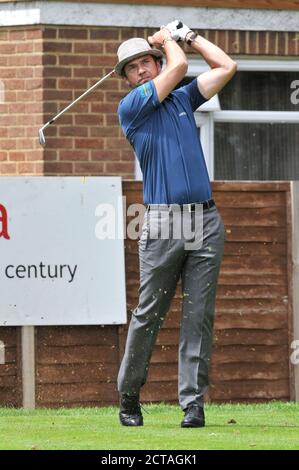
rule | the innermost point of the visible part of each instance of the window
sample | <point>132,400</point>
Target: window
<point>256,151</point>
<point>255,134</point>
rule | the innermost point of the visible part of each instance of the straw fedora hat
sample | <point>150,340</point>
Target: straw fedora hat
<point>131,49</point>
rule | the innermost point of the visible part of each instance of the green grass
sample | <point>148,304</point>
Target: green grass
<point>264,426</point>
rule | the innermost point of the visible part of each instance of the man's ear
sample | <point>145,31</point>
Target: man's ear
<point>126,81</point>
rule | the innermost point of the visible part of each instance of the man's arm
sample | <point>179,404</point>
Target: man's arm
<point>223,67</point>
<point>176,63</point>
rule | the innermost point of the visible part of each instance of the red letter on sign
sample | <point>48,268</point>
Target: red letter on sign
<point>3,220</point>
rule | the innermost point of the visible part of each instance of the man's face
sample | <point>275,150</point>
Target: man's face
<point>141,70</point>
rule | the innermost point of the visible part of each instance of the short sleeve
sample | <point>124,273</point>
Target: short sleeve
<point>137,106</point>
<point>193,93</point>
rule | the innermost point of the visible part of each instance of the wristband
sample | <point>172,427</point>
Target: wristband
<point>191,38</point>
<point>166,39</point>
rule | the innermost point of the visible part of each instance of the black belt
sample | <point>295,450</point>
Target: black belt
<point>183,207</point>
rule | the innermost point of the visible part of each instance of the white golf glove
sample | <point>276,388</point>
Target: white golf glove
<point>178,30</point>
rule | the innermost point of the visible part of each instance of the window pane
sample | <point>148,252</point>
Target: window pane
<point>259,91</point>
<point>249,151</point>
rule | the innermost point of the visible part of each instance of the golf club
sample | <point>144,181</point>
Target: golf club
<point>41,135</point>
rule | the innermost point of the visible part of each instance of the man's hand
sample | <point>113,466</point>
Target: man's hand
<point>178,30</point>
<point>158,39</point>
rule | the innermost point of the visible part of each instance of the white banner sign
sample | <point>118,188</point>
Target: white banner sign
<point>56,266</point>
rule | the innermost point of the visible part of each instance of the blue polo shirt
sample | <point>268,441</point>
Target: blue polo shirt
<point>166,142</point>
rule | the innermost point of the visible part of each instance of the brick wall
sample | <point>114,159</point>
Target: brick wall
<point>88,140</point>
<point>21,110</point>
<point>44,68</point>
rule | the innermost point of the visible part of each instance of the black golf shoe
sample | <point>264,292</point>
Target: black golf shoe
<point>130,410</point>
<point>194,417</point>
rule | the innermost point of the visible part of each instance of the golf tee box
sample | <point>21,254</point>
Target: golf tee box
<point>57,265</point>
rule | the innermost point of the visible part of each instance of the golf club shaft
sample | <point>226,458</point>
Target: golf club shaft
<point>86,93</point>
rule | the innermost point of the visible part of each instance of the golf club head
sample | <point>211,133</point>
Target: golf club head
<point>41,136</point>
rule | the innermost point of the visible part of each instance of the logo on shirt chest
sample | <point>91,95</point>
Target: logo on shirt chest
<point>182,114</point>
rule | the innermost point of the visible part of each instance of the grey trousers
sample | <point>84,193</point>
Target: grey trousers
<point>162,263</point>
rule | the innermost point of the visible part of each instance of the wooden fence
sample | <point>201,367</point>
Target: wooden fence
<point>256,313</point>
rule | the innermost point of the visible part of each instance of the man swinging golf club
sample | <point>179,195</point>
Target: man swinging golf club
<point>158,122</point>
